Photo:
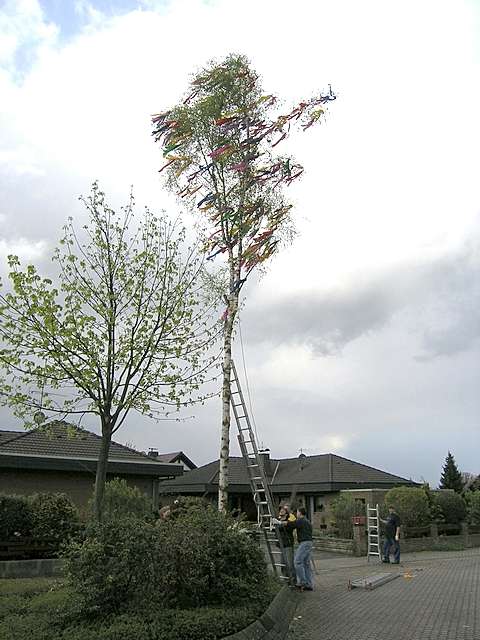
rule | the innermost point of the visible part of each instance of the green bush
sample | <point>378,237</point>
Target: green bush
<point>473,507</point>
<point>54,516</point>
<point>344,508</point>
<point>122,500</point>
<point>15,517</point>
<point>197,557</point>
<point>41,609</point>
<point>451,505</point>
<point>209,623</point>
<point>411,504</point>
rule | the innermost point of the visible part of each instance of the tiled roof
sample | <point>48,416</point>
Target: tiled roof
<point>63,440</point>
<point>9,435</point>
<point>312,470</point>
<point>176,456</point>
<point>167,457</point>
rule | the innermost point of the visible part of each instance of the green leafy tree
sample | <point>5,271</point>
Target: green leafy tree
<point>473,507</point>
<point>123,329</point>
<point>411,504</point>
<point>451,477</point>
<point>451,506</point>
<point>471,481</point>
<point>344,508</point>
<point>219,146</point>
<point>121,500</point>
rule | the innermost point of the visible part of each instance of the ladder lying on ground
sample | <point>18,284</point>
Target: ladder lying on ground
<point>258,479</point>
<point>374,549</point>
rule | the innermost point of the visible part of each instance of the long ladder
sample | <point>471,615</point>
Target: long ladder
<point>374,549</point>
<point>258,480</point>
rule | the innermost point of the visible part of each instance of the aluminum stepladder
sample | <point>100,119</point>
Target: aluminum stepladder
<point>374,549</point>
<point>258,480</point>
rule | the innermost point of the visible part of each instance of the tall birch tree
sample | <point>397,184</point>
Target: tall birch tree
<point>123,328</point>
<point>219,146</point>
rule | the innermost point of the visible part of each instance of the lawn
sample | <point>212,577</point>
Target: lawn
<point>36,609</point>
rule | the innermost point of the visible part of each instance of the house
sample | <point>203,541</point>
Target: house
<point>311,481</point>
<point>174,457</point>
<point>63,459</point>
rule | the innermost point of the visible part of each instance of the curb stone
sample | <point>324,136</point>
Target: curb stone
<point>274,623</point>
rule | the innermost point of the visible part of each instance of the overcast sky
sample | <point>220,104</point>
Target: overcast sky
<point>363,337</point>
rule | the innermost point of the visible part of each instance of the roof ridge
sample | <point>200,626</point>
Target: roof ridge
<point>367,466</point>
<point>64,425</point>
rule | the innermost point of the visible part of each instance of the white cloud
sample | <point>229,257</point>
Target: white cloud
<point>25,249</point>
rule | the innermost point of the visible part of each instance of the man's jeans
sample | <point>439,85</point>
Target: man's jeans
<point>389,543</point>
<point>288,557</point>
<point>303,564</point>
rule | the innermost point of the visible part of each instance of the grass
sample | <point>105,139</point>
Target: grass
<point>36,608</point>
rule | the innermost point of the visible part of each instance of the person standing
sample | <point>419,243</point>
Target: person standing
<point>303,555</point>
<point>392,536</point>
<point>287,526</point>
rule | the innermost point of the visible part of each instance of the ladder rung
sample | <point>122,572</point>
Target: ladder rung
<point>252,465</point>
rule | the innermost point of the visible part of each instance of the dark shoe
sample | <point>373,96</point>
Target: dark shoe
<point>308,588</point>
<point>386,561</point>
<point>396,562</point>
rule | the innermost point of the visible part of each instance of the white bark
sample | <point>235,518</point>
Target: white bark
<point>226,395</point>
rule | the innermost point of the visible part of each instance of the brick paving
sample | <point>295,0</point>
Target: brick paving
<point>441,601</point>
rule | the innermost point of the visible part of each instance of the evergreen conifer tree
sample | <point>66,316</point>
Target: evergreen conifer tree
<point>451,477</point>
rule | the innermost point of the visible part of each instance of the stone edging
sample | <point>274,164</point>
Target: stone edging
<point>274,623</point>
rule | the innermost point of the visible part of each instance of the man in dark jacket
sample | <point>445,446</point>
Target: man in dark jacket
<point>303,555</point>
<point>392,536</point>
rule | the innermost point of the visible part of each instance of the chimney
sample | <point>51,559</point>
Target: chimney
<point>265,460</point>
<point>153,453</point>
<point>302,458</point>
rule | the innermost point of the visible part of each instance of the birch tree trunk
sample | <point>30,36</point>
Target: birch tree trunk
<point>232,309</point>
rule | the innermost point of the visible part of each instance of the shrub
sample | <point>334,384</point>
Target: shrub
<point>121,500</point>
<point>197,557</point>
<point>15,517</point>
<point>344,508</point>
<point>451,505</point>
<point>473,507</point>
<point>54,516</point>
<point>411,504</point>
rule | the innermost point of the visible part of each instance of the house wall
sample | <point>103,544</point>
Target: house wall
<point>78,486</point>
<point>319,506</point>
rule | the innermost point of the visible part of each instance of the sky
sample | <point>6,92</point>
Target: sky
<point>362,339</point>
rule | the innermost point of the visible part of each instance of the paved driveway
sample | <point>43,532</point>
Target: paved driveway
<point>440,601</point>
